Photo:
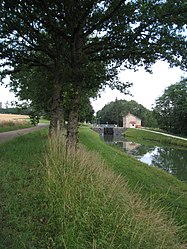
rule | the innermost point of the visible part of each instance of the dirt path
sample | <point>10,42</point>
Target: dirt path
<point>4,136</point>
<point>168,135</point>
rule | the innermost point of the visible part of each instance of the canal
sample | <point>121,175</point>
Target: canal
<point>171,159</point>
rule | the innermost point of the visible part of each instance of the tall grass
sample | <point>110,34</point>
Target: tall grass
<point>93,208</point>
<point>9,125</point>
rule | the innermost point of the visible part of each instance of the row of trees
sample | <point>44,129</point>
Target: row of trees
<point>60,53</point>
<point>171,108</point>
<point>114,112</point>
<point>14,110</point>
<point>86,111</point>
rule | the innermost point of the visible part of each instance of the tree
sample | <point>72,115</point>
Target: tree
<point>171,108</point>
<point>35,85</point>
<point>72,34</point>
<point>114,112</point>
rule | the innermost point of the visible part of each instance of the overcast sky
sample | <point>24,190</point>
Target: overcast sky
<point>146,87</point>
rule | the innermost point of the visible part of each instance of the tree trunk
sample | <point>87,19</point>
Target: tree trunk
<point>72,131</point>
<point>77,81</point>
<point>61,119</point>
<point>56,102</point>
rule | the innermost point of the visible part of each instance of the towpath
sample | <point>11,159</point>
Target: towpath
<point>168,135</point>
<point>4,136</point>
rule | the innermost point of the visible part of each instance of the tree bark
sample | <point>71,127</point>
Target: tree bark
<point>61,120</point>
<point>77,60</point>
<point>56,101</point>
<point>72,131</point>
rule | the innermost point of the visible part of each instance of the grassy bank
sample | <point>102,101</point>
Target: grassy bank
<point>153,183</point>
<point>95,208</point>
<point>53,200</point>
<point>143,136</point>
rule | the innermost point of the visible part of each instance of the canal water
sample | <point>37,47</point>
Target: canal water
<point>171,159</point>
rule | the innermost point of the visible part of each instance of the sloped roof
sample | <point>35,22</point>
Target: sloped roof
<point>132,122</point>
<point>129,114</point>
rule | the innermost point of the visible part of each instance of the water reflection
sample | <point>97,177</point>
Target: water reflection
<point>172,160</point>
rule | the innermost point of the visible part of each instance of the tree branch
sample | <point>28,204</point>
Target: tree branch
<point>105,18</point>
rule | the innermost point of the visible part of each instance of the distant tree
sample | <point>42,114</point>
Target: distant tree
<point>87,112</point>
<point>171,108</point>
<point>114,112</point>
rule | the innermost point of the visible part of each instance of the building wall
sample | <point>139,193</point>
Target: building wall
<point>131,121</point>
<point>1,105</point>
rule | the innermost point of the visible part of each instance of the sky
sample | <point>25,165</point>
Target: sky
<point>146,87</point>
<point>145,90</point>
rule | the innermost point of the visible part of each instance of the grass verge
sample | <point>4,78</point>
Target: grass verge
<point>153,183</point>
<point>74,201</point>
<point>23,205</point>
<point>95,208</point>
<point>142,135</point>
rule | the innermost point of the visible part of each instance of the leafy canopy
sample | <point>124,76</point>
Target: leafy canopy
<point>171,108</point>
<point>114,112</point>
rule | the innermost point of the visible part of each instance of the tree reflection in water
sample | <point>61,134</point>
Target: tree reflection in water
<point>173,160</point>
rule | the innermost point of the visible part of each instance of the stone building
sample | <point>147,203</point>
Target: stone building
<point>1,105</point>
<point>131,121</point>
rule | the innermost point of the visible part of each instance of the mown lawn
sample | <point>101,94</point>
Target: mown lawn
<point>155,184</point>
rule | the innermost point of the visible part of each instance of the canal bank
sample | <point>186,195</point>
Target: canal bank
<point>172,159</point>
<point>164,134</point>
<point>154,184</point>
<point>148,135</point>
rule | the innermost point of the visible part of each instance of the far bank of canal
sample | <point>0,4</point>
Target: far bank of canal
<point>172,159</point>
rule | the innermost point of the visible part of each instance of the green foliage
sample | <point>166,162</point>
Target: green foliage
<point>114,112</point>
<point>171,108</point>
<point>34,117</point>
<point>86,112</point>
<point>78,47</point>
<point>14,110</point>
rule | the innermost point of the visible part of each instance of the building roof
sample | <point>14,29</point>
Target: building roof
<point>129,114</point>
<point>132,122</point>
